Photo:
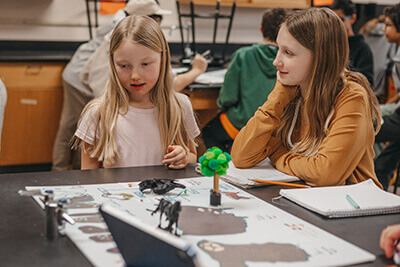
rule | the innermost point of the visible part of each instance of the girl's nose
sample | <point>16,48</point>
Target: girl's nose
<point>277,62</point>
<point>135,75</point>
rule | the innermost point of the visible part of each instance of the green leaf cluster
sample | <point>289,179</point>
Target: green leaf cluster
<point>214,161</point>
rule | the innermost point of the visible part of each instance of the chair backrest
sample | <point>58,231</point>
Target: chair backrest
<point>396,182</point>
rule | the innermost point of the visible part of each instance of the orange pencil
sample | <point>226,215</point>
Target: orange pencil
<point>279,183</point>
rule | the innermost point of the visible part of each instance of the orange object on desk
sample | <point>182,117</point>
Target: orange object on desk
<point>279,183</point>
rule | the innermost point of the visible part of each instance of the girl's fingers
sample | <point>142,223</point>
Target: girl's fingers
<point>180,157</point>
<point>176,158</point>
<point>179,166</point>
<point>388,237</point>
<point>173,159</point>
<point>173,151</point>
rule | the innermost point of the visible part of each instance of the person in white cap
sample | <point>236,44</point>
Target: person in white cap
<point>85,76</point>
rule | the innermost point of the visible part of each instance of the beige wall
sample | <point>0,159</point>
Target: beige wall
<point>65,20</point>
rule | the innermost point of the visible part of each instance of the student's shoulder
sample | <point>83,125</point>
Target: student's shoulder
<point>183,99</point>
<point>354,91</point>
<point>92,109</point>
<point>353,86</point>
<point>254,48</point>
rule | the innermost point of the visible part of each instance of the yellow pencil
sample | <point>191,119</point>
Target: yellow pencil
<point>279,183</point>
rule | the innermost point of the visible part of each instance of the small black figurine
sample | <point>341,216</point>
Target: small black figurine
<point>159,186</point>
<point>171,212</point>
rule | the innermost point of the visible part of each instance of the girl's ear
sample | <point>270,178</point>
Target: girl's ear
<point>261,29</point>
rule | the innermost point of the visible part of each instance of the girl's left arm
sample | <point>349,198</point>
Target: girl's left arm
<point>192,154</point>
<point>349,140</point>
<point>87,162</point>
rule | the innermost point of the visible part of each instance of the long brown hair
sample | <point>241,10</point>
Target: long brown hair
<point>323,32</point>
<point>115,100</point>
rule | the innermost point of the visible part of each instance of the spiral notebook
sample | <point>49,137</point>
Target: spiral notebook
<point>360,199</point>
<point>262,170</point>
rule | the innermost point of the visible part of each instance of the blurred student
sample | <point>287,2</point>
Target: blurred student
<point>139,120</point>
<point>360,55</point>
<point>392,32</point>
<point>250,78</point>
<point>383,52</point>
<point>85,78</point>
<point>320,120</point>
<point>388,160</point>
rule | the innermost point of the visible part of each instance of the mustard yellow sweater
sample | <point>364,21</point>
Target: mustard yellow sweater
<point>345,155</point>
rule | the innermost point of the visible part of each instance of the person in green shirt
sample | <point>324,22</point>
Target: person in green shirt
<point>249,80</point>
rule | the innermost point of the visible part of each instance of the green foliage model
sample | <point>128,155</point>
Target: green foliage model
<point>214,161</point>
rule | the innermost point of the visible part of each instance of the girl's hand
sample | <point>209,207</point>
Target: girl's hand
<point>388,237</point>
<point>284,93</point>
<point>176,157</point>
<point>199,63</point>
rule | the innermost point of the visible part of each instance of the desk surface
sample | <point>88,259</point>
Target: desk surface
<point>22,240</point>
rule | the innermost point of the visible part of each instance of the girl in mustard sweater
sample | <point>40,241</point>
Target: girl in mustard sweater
<point>320,120</point>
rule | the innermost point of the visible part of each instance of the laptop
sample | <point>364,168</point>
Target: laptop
<point>144,245</point>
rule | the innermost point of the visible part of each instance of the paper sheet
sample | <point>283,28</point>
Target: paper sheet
<point>255,227</point>
<point>211,77</point>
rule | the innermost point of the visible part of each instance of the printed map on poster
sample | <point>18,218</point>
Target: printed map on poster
<point>243,231</point>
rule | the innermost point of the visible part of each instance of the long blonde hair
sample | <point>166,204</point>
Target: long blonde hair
<point>321,31</point>
<point>115,100</point>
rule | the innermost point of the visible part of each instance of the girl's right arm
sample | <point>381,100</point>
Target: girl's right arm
<point>255,141</point>
<point>199,66</point>
<point>88,162</point>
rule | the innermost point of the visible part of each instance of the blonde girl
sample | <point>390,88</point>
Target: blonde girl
<point>139,120</point>
<point>320,120</point>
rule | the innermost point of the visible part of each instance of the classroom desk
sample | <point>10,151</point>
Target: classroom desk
<point>204,101</point>
<point>22,241</point>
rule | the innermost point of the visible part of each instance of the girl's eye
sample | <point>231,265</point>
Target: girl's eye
<point>287,52</point>
<point>124,66</point>
<point>145,64</point>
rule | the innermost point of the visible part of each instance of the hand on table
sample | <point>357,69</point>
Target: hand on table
<point>388,238</point>
<point>176,157</point>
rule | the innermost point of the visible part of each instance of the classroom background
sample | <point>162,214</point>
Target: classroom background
<point>39,37</point>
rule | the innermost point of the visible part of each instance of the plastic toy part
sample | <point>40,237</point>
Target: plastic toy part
<point>160,186</point>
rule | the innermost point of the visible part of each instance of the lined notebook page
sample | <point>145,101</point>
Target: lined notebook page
<point>332,201</point>
<point>263,170</point>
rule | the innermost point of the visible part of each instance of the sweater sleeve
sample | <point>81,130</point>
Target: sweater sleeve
<point>340,151</point>
<point>229,93</point>
<point>255,141</point>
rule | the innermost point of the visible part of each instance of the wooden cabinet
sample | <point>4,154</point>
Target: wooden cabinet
<point>32,111</point>
<point>204,105</point>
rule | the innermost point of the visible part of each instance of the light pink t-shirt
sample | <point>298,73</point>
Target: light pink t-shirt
<point>137,134</point>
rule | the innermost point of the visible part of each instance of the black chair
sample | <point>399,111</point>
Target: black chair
<point>216,15</point>
<point>396,183</point>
